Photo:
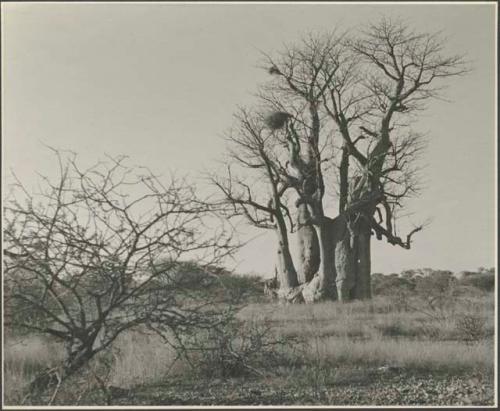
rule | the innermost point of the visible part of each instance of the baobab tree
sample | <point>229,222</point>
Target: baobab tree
<point>398,71</point>
<point>359,93</point>
<point>256,147</point>
<point>297,88</point>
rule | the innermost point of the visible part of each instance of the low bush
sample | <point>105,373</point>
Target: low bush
<point>471,327</point>
<point>388,285</point>
<point>482,281</point>
<point>237,349</point>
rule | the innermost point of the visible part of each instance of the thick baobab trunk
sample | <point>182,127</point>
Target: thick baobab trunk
<point>322,286</point>
<point>286,269</point>
<point>352,249</point>
<point>353,262</point>
<point>362,289</point>
<point>289,290</point>
<point>309,253</point>
<point>344,264</point>
<point>326,272</point>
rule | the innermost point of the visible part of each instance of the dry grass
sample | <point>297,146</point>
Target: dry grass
<point>334,336</point>
<point>24,357</point>
<point>404,353</point>
<point>376,333</point>
<point>138,359</point>
<point>367,319</point>
<point>142,359</point>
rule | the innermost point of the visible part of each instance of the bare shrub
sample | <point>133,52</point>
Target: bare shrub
<point>471,327</point>
<point>238,349</point>
<point>97,251</point>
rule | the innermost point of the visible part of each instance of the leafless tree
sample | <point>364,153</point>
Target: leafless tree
<point>396,73</point>
<point>301,74</point>
<point>263,201</point>
<point>361,93</point>
<point>97,251</point>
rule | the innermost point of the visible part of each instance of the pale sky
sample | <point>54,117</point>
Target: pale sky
<point>160,82</point>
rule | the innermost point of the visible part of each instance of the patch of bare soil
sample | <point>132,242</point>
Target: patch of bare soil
<point>368,387</point>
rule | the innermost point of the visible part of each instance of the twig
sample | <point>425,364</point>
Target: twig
<point>59,380</point>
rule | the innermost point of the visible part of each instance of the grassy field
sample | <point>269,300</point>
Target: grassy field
<point>377,352</point>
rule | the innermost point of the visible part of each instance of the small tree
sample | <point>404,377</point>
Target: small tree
<point>97,252</point>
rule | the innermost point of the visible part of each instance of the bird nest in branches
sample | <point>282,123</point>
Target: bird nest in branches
<point>276,120</point>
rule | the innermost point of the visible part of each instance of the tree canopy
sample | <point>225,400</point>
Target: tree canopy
<point>334,125</point>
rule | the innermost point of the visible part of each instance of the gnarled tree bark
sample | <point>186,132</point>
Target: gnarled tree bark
<point>309,254</point>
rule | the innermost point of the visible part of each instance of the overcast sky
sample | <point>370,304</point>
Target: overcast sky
<point>160,82</point>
